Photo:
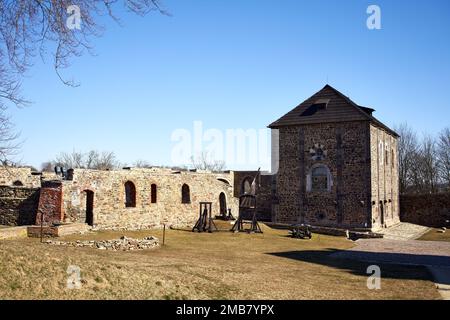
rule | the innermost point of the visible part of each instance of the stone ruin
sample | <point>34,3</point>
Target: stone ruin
<point>122,244</point>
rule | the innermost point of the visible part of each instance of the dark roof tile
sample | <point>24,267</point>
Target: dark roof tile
<point>339,108</point>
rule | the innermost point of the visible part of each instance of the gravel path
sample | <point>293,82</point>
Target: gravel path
<point>433,254</point>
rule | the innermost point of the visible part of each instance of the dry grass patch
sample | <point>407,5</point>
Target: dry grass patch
<point>435,235</point>
<point>221,265</point>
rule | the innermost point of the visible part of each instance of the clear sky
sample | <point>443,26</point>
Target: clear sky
<point>237,64</point>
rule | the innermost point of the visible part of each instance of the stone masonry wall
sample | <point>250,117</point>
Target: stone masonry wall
<point>384,178</point>
<point>431,210</point>
<point>109,197</point>
<point>347,157</point>
<point>18,205</point>
<point>9,175</point>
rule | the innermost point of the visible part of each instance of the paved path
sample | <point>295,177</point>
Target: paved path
<point>433,254</point>
<point>404,231</point>
<point>412,252</point>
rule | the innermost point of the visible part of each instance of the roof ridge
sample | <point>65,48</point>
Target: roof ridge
<point>350,102</point>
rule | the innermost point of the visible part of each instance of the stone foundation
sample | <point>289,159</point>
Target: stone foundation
<point>122,244</point>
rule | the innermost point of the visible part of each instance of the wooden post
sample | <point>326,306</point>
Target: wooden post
<point>164,234</point>
<point>42,226</point>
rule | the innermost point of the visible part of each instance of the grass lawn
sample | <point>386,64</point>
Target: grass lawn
<point>221,265</point>
<point>434,235</point>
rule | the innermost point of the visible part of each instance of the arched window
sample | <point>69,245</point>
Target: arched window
<point>392,158</point>
<point>185,194</point>
<point>246,186</point>
<point>386,154</point>
<point>381,153</point>
<point>18,183</point>
<point>130,195</point>
<point>153,193</point>
<point>319,179</point>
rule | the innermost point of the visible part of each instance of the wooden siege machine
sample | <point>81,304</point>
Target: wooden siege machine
<point>248,211</point>
<point>205,221</point>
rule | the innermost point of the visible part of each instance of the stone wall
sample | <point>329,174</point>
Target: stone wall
<point>431,210</point>
<point>10,176</point>
<point>110,211</point>
<point>346,154</point>
<point>18,205</point>
<point>384,178</point>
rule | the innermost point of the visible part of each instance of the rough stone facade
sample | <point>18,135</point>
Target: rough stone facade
<point>101,198</point>
<point>385,200</point>
<point>336,173</point>
<point>431,210</point>
<point>18,205</point>
<point>19,177</point>
<point>166,207</point>
<point>336,167</point>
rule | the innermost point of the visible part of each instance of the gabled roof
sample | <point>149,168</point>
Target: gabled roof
<point>328,105</point>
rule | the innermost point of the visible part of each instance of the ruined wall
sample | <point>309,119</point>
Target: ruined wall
<point>50,206</point>
<point>346,154</point>
<point>109,209</point>
<point>18,205</point>
<point>264,192</point>
<point>431,210</point>
<point>10,175</point>
<point>384,178</point>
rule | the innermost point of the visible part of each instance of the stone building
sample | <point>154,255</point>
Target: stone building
<point>130,198</point>
<point>337,165</point>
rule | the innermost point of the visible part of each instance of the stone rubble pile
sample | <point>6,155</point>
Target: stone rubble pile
<point>122,244</point>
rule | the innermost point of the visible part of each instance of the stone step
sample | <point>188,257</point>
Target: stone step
<point>13,232</point>
<point>58,231</point>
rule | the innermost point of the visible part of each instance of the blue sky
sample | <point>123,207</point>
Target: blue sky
<point>237,64</point>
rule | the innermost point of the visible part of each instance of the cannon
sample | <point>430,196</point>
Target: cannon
<point>301,231</point>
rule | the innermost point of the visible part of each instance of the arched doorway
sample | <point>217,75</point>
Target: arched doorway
<point>185,194</point>
<point>130,195</point>
<point>223,204</point>
<point>89,207</point>
<point>381,214</point>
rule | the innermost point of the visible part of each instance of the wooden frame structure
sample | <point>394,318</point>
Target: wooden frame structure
<point>205,221</point>
<point>247,207</point>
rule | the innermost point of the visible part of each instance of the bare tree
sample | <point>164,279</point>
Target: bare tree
<point>443,152</point>
<point>426,165</point>
<point>47,166</point>
<point>60,28</point>
<point>204,162</point>
<point>105,161</point>
<point>142,164</point>
<point>8,138</point>
<point>407,152</point>
<point>93,159</point>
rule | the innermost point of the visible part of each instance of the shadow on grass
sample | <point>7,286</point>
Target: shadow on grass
<point>392,265</point>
